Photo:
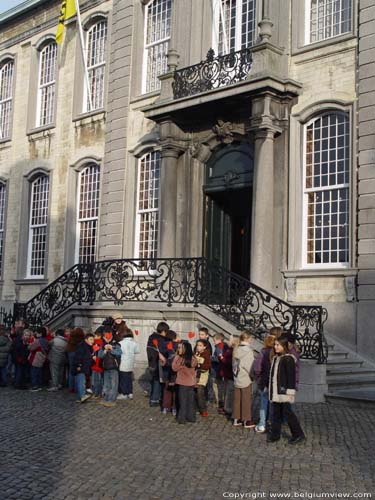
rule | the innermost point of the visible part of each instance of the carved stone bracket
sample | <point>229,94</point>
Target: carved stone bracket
<point>350,288</point>
<point>224,131</point>
<point>269,112</point>
<point>291,289</point>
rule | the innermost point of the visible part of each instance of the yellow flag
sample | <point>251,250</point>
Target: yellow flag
<point>68,9</point>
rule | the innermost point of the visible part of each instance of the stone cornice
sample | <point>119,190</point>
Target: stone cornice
<point>49,23</point>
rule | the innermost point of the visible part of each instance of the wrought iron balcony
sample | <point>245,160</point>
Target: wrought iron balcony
<point>212,73</point>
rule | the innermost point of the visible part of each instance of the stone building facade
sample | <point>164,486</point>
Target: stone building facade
<point>257,171</point>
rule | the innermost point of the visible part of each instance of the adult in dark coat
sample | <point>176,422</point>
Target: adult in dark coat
<point>5,345</point>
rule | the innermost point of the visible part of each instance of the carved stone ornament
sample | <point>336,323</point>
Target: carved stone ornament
<point>291,288</point>
<point>350,288</point>
<point>224,131</point>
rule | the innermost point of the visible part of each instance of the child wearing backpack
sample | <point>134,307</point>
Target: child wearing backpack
<point>110,354</point>
<point>243,358</point>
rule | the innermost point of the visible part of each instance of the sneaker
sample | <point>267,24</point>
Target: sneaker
<point>89,391</point>
<point>52,389</point>
<point>108,404</point>
<point>174,412</point>
<point>130,396</point>
<point>237,422</point>
<point>248,424</point>
<point>297,439</point>
<point>204,413</point>
<point>154,403</point>
<point>85,398</point>
<point>260,429</point>
<point>121,397</point>
<point>35,389</point>
<point>165,411</point>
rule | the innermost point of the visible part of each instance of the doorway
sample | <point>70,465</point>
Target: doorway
<point>228,204</point>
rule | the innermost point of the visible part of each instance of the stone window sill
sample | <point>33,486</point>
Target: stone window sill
<point>31,281</point>
<point>90,118</point>
<point>324,47</point>
<point>320,272</point>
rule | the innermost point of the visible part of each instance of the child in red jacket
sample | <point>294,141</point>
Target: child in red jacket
<point>97,369</point>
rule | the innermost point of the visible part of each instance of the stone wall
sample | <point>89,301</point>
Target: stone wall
<point>366,178</point>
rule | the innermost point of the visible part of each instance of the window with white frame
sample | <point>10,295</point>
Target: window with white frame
<point>326,190</point>
<point>47,85</point>
<point>234,25</point>
<point>96,54</point>
<point>38,227</point>
<point>88,214</point>
<point>2,223</point>
<point>157,37</point>
<point>327,19</point>
<point>147,221</point>
<point>6,98</point>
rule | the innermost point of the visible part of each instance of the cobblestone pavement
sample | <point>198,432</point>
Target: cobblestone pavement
<point>53,448</point>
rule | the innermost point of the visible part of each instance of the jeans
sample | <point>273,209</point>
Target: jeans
<point>36,377</point>
<point>186,408</point>
<point>125,384</point>
<point>80,383</point>
<point>110,385</point>
<point>280,410</point>
<point>155,392</point>
<point>263,407</point>
<point>4,376</point>
<point>97,383</point>
<point>57,373</point>
<point>71,378</point>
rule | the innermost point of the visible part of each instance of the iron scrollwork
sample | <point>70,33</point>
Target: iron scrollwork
<point>186,281</point>
<point>212,73</point>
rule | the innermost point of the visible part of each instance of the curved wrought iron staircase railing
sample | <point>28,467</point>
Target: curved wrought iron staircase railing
<point>193,281</point>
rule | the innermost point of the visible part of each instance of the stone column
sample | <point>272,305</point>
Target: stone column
<point>168,202</point>
<point>263,210</point>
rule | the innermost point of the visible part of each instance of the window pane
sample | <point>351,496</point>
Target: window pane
<point>47,84</point>
<point>96,51</point>
<point>6,98</point>
<point>327,219</point>
<point>148,205</point>
<point>158,34</point>
<point>38,226</point>
<point>88,213</point>
<point>329,18</point>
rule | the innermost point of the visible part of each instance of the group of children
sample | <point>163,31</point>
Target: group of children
<point>183,378</point>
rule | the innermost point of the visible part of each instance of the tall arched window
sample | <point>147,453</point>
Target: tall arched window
<point>326,190</point>
<point>234,25</point>
<point>327,19</point>
<point>147,222</point>
<point>88,214</point>
<point>46,85</point>
<point>2,223</point>
<point>6,97</point>
<point>38,227</point>
<point>96,54</point>
<point>157,36</point>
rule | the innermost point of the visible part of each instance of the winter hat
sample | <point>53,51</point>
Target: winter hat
<point>118,316</point>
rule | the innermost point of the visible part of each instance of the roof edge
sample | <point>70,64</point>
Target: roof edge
<point>20,9</point>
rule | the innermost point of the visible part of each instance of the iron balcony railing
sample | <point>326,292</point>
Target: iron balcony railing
<point>180,281</point>
<point>212,73</point>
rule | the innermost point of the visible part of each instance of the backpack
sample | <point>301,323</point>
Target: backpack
<point>110,362</point>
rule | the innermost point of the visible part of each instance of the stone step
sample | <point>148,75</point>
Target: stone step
<point>360,398</point>
<point>337,355</point>
<point>337,382</point>
<point>345,362</point>
<point>348,371</point>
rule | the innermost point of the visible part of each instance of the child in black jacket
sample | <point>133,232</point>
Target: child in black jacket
<point>282,389</point>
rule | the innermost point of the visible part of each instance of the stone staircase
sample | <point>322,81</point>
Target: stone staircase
<point>350,378</point>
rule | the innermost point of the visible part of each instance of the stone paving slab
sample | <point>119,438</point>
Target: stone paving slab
<point>54,448</point>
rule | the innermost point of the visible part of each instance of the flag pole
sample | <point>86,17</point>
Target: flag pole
<point>84,55</point>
